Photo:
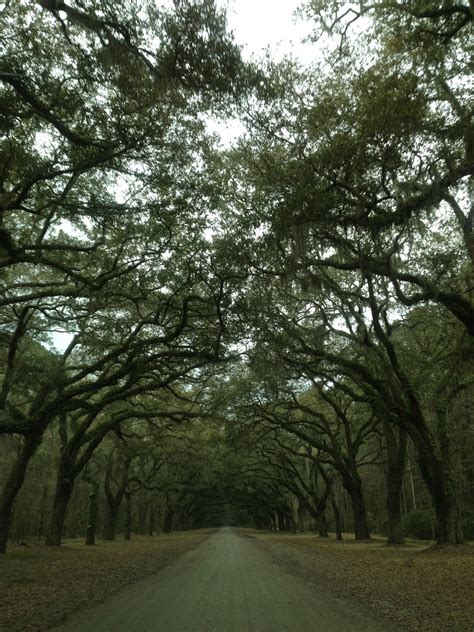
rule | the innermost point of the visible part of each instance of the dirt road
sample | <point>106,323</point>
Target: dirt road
<point>226,584</point>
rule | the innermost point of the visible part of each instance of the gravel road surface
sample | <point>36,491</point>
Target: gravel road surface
<point>226,584</point>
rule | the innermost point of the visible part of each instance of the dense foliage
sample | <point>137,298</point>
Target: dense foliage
<point>275,332</point>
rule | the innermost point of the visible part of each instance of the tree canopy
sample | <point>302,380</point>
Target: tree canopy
<point>265,331</point>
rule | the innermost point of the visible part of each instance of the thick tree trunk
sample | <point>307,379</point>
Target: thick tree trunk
<point>435,471</point>
<point>128,516</point>
<point>142,514</point>
<point>58,516</point>
<point>168,521</point>
<point>42,511</point>
<point>321,509</point>
<point>92,515</point>
<point>302,513</point>
<point>394,514</point>
<point>114,500</point>
<point>13,485</point>
<point>361,526</point>
<point>151,522</point>
<point>396,458</point>
<point>337,519</point>
<point>159,520</point>
<point>110,521</point>
<point>294,513</point>
<point>322,503</point>
<point>62,496</point>
<point>322,526</point>
<point>353,486</point>
<point>281,521</point>
<point>448,527</point>
<point>186,521</point>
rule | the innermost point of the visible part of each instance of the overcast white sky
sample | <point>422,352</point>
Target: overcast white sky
<point>261,23</point>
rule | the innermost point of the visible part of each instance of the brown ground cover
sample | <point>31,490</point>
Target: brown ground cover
<point>421,588</point>
<point>40,586</point>
<point>417,587</point>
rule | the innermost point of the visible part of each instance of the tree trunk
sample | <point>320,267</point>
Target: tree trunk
<point>159,520</point>
<point>142,514</point>
<point>62,496</point>
<point>435,471</point>
<point>128,516</point>
<point>321,510</point>
<point>276,522</point>
<point>151,522</point>
<point>396,457</point>
<point>322,526</point>
<point>412,484</point>
<point>110,521</point>
<point>448,527</point>
<point>302,513</point>
<point>394,514</point>
<point>42,510</point>
<point>114,500</point>
<point>353,486</point>
<point>61,501</point>
<point>337,519</point>
<point>281,521</point>
<point>322,503</point>
<point>92,516</point>
<point>168,521</point>
<point>13,485</point>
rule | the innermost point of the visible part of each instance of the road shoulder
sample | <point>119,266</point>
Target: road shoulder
<point>42,586</point>
<point>417,587</point>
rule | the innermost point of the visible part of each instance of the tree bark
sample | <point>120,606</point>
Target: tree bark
<point>337,519</point>
<point>322,526</point>
<point>58,516</point>
<point>168,521</point>
<point>434,467</point>
<point>13,485</point>
<point>92,517</point>
<point>321,509</point>
<point>281,521</point>
<point>353,486</point>
<point>62,496</point>
<point>42,510</point>
<point>128,516</point>
<point>110,520</point>
<point>448,527</point>
<point>151,522</point>
<point>396,458</point>
<point>114,500</point>
<point>142,514</point>
<point>302,513</point>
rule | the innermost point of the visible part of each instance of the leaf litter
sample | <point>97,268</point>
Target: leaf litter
<point>42,586</point>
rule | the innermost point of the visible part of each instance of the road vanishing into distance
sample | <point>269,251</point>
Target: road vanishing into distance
<point>226,584</point>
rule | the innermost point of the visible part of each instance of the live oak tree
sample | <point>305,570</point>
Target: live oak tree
<point>351,186</point>
<point>335,426</point>
<point>99,108</point>
<point>310,285</point>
